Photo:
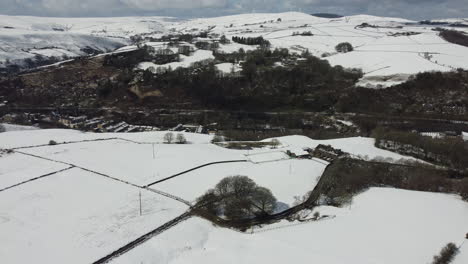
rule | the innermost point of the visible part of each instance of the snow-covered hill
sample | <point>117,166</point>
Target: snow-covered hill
<point>78,200</point>
<point>26,37</point>
<point>388,50</point>
<point>382,226</point>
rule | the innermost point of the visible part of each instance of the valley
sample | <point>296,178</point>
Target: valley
<point>251,138</point>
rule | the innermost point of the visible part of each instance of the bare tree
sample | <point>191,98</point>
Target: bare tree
<point>275,143</point>
<point>180,139</point>
<point>168,137</point>
<point>218,137</point>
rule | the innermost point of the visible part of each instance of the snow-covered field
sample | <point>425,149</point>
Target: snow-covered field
<point>285,179</point>
<point>90,206</point>
<point>76,217</point>
<point>17,168</point>
<point>358,146</point>
<point>385,54</point>
<point>380,52</point>
<point>381,226</point>
<point>87,203</point>
<point>11,127</point>
<point>134,162</point>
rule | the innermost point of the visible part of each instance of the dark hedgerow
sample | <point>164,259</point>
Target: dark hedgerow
<point>447,254</point>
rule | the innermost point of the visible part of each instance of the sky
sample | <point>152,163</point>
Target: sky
<point>411,9</point>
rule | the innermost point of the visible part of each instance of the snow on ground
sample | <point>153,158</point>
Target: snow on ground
<point>228,67</point>
<point>42,137</point>
<point>269,156</point>
<point>134,162</point>
<point>382,225</point>
<point>84,216</point>
<point>285,179</point>
<point>185,61</point>
<point>16,168</point>
<point>462,256</point>
<point>379,52</point>
<point>76,217</point>
<point>384,53</point>
<point>12,127</point>
<point>23,37</point>
<point>359,146</point>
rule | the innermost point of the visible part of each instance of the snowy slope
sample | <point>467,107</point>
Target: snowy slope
<point>76,217</point>
<point>11,127</point>
<point>385,55</point>
<point>358,146</point>
<point>16,168</point>
<point>79,215</point>
<point>383,226</point>
<point>24,37</point>
<point>286,179</point>
<point>380,53</point>
<point>134,162</point>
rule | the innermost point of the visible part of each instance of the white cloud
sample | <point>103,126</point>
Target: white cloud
<point>180,4</point>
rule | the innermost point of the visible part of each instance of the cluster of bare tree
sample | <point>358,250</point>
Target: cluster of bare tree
<point>170,138</point>
<point>237,198</point>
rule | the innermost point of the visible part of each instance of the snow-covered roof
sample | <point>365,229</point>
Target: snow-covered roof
<point>298,151</point>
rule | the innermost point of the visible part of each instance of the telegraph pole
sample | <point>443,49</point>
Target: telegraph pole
<point>140,203</point>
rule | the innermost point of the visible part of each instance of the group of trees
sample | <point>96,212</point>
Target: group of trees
<point>128,60</point>
<point>170,138</point>
<point>251,41</point>
<point>261,85</point>
<point>304,33</point>
<point>430,94</point>
<point>454,36</point>
<point>237,198</point>
<point>346,177</point>
<point>344,47</point>
<point>447,254</point>
<point>310,84</point>
<point>451,152</point>
<point>205,45</point>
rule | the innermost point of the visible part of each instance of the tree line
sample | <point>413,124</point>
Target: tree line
<point>251,41</point>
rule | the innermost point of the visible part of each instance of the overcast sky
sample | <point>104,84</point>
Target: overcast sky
<point>412,9</point>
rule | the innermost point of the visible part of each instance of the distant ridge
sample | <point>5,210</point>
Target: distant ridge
<point>327,15</point>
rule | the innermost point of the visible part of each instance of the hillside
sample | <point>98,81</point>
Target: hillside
<point>92,194</point>
<point>387,50</point>
<point>25,40</point>
<point>249,138</point>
